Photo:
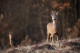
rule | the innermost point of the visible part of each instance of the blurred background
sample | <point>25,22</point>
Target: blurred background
<point>27,20</point>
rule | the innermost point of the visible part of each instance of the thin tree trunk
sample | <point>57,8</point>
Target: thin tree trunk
<point>41,28</point>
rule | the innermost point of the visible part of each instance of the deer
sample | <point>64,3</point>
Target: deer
<point>52,28</point>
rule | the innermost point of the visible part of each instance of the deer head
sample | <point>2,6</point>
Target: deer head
<point>54,15</point>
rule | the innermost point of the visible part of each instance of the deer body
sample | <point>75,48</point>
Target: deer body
<point>53,28</point>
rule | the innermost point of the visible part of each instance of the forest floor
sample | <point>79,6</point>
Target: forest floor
<point>66,46</point>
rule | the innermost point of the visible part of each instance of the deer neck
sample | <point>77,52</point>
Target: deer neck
<point>54,22</point>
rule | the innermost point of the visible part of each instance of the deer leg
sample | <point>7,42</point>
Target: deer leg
<point>47,36</point>
<point>52,39</point>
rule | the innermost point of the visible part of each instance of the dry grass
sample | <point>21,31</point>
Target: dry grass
<point>27,41</point>
<point>44,47</point>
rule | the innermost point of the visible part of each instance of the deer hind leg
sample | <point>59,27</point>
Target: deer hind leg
<point>47,36</point>
<point>52,40</point>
